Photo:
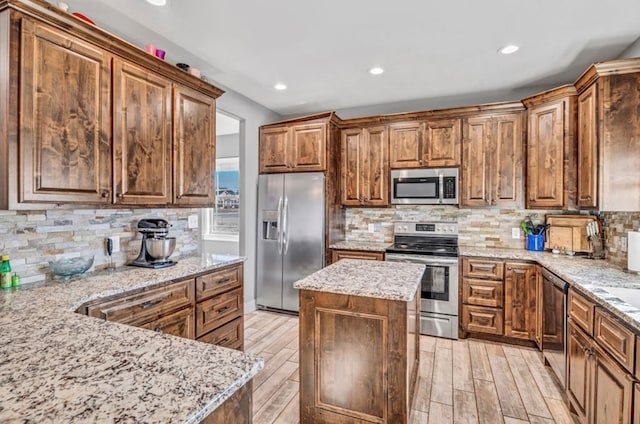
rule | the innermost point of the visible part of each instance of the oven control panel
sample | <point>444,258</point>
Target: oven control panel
<point>426,228</point>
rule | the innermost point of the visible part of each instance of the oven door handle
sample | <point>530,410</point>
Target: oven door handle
<point>394,257</point>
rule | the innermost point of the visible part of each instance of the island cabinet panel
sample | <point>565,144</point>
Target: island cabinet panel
<point>230,335</point>
<point>238,409</point>
<point>358,358</point>
<point>209,285</point>
<point>64,120</point>
<point>336,255</point>
<point>441,146</point>
<point>365,166</point>
<point>405,145</point>
<point>520,285</point>
<point>551,179</point>
<point>180,323</point>
<point>212,313</point>
<point>142,136</point>
<point>194,150</point>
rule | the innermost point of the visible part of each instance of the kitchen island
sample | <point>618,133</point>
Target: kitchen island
<point>359,342</point>
<point>59,366</point>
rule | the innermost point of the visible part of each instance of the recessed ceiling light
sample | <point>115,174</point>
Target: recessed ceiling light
<point>280,86</point>
<point>157,2</point>
<point>376,70</point>
<point>511,48</point>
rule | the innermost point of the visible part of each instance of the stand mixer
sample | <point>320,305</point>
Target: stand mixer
<point>156,247</point>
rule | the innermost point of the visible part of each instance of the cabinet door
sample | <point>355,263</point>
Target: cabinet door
<point>65,123</point>
<point>520,300</point>
<point>194,149</point>
<point>442,143</point>
<point>539,333</point>
<point>476,165</point>
<point>578,365</point>
<point>179,324</point>
<point>545,156</point>
<point>405,141</point>
<point>507,161</point>
<point>356,254</point>
<point>308,147</point>
<point>588,148</point>
<point>142,136</point>
<point>375,166</point>
<point>612,391</point>
<point>352,144</point>
<point>273,149</point>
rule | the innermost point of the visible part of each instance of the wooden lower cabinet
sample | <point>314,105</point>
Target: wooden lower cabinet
<point>598,388</point>
<point>636,403</point>
<point>336,255</point>
<point>359,358</point>
<point>238,409</point>
<point>520,297</point>
<point>179,324</point>
<point>230,335</point>
<point>217,311</point>
<point>482,320</point>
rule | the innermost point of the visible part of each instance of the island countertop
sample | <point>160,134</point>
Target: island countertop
<point>60,366</point>
<point>356,277</point>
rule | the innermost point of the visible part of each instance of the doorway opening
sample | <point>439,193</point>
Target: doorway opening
<point>221,223</point>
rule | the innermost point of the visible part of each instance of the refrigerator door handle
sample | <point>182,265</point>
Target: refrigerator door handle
<point>279,240</point>
<point>285,225</point>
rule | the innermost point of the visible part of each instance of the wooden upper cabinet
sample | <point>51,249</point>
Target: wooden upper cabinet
<point>273,149</point>
<point>492,161</point>
<point>405,145</point>
<point>441,145</point>
<point>142,136</point>
<point>435,143</point>
<point>588,148</point>
<point>293,148</point>
<point>308,146</point>
<point>365,166</point>
<point>194,154</point>
<point>64,121</point>
<point>551,149</point>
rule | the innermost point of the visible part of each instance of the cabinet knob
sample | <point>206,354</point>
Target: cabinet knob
<point>119,195</point>
<point>420,161</point>
<point>179,196</point>
<point>104,194</point>
<point>509,268</point>
<point>587,197</point>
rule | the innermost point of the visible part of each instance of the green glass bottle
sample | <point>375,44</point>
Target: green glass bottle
<point>5,272</point>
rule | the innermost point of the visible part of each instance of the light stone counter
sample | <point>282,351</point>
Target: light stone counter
<point>60,366</point>
<point>369,246</point>
<point>356,277</point>
<point>590,277</point>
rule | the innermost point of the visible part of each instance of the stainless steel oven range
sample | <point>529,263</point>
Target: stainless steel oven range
<point>434,244</point>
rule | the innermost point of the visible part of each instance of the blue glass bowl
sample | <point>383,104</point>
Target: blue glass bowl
<point>67,267</point>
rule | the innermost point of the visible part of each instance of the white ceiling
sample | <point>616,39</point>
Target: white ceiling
<point>429,49</point>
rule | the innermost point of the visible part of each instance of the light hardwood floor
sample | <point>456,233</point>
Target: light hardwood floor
<point>460,381</point>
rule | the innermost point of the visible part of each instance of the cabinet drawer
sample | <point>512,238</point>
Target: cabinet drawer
<point>482,268</point>
<point>581,310</point>
<point>179,324</point>
<point>614,338</point>
<point>230,335</point>
<point>217,311</point>
<point>482,292</point>
<point>140,308</point>
<point>209,285</point>
<point>336,255</point>
<point>482,320</point>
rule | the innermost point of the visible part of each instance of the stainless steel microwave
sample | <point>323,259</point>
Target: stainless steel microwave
<point>434,186</point>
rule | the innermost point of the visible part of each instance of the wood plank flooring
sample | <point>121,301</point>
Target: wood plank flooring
<point>460,381</point>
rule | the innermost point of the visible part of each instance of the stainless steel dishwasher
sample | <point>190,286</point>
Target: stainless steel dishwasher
<point>554,324</point>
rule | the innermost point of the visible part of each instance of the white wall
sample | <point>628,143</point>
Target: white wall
<point>227,146</point>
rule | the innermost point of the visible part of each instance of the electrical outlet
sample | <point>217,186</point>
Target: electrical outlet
<point>115,242</point>
<point>372,228</point>
<point>515,233</point>
<point>192,221</point>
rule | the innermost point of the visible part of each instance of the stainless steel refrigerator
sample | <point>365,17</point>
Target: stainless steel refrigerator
<point>290,235</point>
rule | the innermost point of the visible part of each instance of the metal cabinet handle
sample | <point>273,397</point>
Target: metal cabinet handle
<point>223,281</point>
<point>223,310</point>
<point>151,303</point>
<point>179,196</point>
<point>158,330</point>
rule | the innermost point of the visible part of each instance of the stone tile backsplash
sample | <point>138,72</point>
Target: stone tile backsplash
<point>32,238</point>
<point>617,225</point>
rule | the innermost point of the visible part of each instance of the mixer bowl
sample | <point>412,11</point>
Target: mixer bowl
<point>160,248</point>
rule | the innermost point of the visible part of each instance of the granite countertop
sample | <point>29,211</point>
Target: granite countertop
<point>589,277</point>
<point>370,246</point>
<point>60,366</point>
<point>356,277</point>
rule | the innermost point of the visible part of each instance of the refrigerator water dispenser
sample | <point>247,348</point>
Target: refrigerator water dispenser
<point>269,224</point>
